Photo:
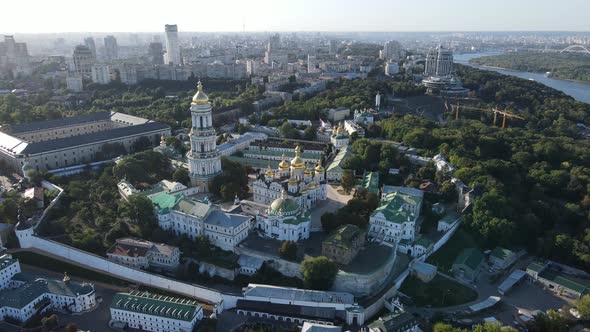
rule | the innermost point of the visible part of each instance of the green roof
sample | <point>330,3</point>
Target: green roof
<point>157,305</point>
<point>298,219</point>
<point>566,281</point>
<point>424,241</point>
<point>501,253</point>
<point>370,182</point>
<point>256,163</point>
<point>448,219</point>
<point>165,202</point>
<point>391,207</point>
<point>336,165</point>
<point>284,205</point>
<point>288,154</point>
<point>536,266</point>
<point>344,236</point>
<point>469,257</point>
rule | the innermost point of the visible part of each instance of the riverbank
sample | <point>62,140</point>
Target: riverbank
<point>577,90</point>
<point>520,71</point>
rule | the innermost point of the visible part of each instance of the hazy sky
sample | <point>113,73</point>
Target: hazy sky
<point>22,16</point>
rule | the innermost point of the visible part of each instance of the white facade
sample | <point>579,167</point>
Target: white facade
<point>29,298</point>
<point>153,312</point>
<point>172,47</point>
<point>8,268</point>
<point>143,254</point>
<point>439,62</point>
<point>204,159</point>
<point>339,137</point>
<point>391,51</point>
<point>391,68</point>
<point>195,218</point>
<point>74,83</point>
<point>305,185</point>
<point>394,221</point>
<point>285,220</point>
<point>101,74</point>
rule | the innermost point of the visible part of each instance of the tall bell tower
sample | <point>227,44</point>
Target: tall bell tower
<point>204,161</point>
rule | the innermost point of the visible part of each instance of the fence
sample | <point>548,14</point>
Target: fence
<point>94,262</point>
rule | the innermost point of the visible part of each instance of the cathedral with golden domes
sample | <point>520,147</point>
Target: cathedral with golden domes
<point>305,184</point>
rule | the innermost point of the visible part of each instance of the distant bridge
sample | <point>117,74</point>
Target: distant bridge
<point>576,48</point>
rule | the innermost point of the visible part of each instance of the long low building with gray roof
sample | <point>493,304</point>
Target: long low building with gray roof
<point>70,141</point>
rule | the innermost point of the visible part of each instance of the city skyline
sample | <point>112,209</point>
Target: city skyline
<point>305,15</point>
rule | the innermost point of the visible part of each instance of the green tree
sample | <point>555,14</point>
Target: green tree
<point>348,182</point>
<point>288,250</point>
<point>318,272</point>
<point>443,327</point>
<point>310,133</point>
<point>181,175</point>
<point>50,323</point>
<point>140,210</point>
<point>583,306</point>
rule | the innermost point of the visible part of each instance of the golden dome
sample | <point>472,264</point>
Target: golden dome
<point>308,171</point>
<point>319,168</point>
<point>293,181</point>
<point>297,162</point>
<point>304,191</point>
<point>284,165</point>
<point>269,173</point>
<point>200,98</point>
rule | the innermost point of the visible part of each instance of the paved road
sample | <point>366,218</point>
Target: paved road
<point>525,297</point>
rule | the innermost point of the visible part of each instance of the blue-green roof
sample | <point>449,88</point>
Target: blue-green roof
<point>165,202</point>
<point>470,257</point>
<point>370,182</point>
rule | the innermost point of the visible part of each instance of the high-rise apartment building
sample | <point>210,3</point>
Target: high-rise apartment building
<point>156,53</point>
<point>391,51</point>
<point>83,60</point>
<point>111,48</point>
<point>172,46</point>
<point>439,62</point>
<point>89,42</point>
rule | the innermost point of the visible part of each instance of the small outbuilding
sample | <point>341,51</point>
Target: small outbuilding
<point>502,258</point>
<point>468,264</point>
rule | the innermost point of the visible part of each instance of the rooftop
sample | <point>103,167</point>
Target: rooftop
<point>225,219</point>
<point>336,165</point>
<point>370,182</point>
<point>471,257</point>
<point>68,142</point>
<point>288,309</point>
<point>567,281</point>
<point>501,253</point>
<point>156,305</point>
<point>22,296</point>
<point>6,261</point>
<point>397,321</point>
<point>393,207</point>
<point>63,122</point>
<point>295,294</point>
<point>344,236</point>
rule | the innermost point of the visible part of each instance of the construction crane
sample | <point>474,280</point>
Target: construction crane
<point>496,111</point>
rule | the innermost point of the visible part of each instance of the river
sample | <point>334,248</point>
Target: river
<point>580,91</point>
